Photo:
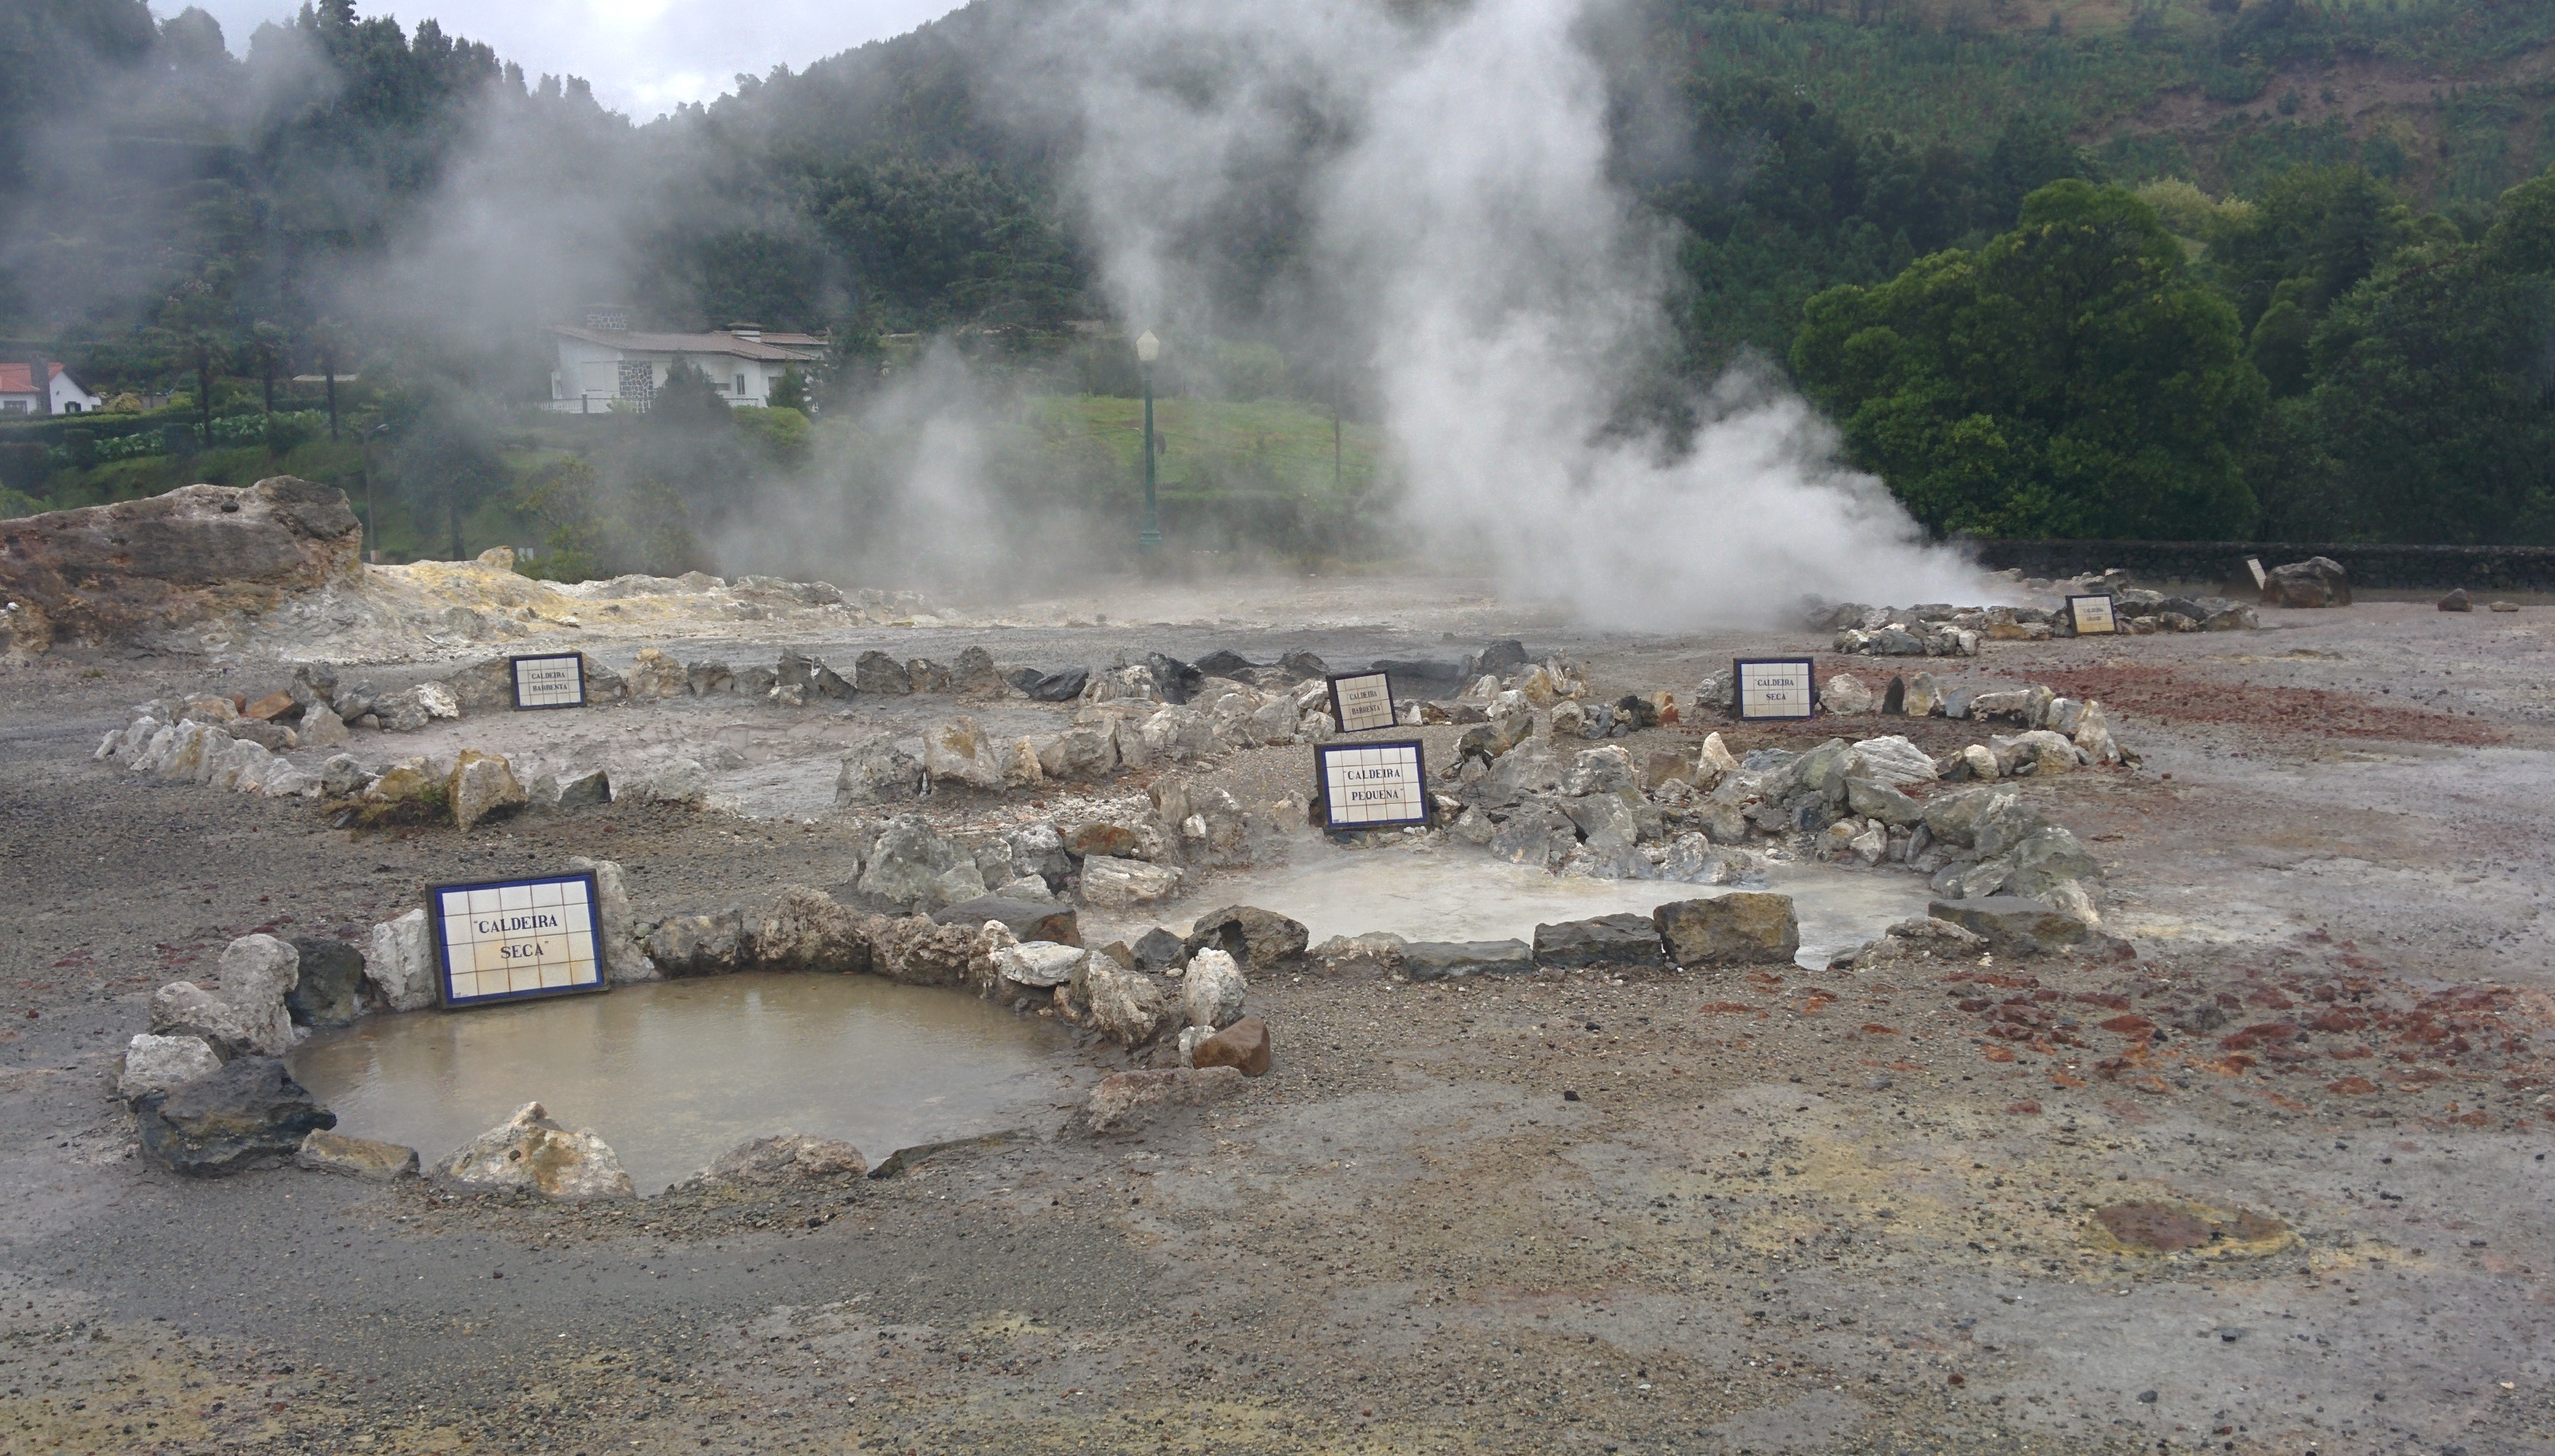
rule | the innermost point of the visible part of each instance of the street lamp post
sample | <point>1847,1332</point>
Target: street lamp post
<point>1149,541</point>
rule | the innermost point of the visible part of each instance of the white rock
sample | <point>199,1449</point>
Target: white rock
<point>1123,1005</point>
<point>437,700</point>
<point>529,1152</point>
<point>288,782</point>
<point>682,782</point>
<point>1029,888</point>
<point>1038,962</point>
<point>400,962</point>
<point>1713,761</point>
<point>159,1063</point>
<point>958,749</point>
<point>2046,752</point>
<point>1844,692</point>
<point>1982,761</point>
<point>1118,884</point>
<point>624,957</point>
<point>1894,760</point>
<point>1211,991</point>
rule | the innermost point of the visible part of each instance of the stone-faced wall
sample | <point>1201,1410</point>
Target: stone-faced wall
<point>125,570</point>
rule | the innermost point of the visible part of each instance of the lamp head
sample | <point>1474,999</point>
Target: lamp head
<point>1148,347</point>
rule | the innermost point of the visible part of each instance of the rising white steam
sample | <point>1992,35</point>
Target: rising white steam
<point>1464,237</point>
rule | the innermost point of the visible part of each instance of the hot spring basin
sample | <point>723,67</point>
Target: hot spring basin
<point>1457,893</point>
<point>674,1072</point>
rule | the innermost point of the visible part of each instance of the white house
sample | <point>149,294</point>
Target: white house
<point>607,361</point>
<point>62,394</point>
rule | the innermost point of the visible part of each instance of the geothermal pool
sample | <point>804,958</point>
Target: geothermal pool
<point>1445,892</point>
<point>676,1072</point>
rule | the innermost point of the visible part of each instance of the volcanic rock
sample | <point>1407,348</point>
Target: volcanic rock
<point>324,1151</point>
<point>1130,1097</point>
<point>784,1158</point>
<point>1258,939</point>
<point>1446,960</point>
<point>1117,884</point>
<point>2317,581</point>
<point>530,1152</point>
<point>2013,924</point>
<point>249,1112</point>
<point>329,989</point>
<point>705,944</point>
<point>1741,928</point>
<point>1612,942</point>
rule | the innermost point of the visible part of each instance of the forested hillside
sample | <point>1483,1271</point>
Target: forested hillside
<point>2280,288</point>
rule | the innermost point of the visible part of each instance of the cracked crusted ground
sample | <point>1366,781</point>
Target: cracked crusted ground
<point>1814,1211</point>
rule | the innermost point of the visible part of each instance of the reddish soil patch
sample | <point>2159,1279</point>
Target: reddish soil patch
<point>2176,697</point>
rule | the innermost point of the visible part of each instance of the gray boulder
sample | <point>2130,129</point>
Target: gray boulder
<point>1535,834</point>
<point>589,790</point>
<point>706,679</point>
<point>2317,581</point>
<point>808,929</point>
<point>1058,687</point>
<point>876,671</point>
<point>1741,928</point>
<point>1037,849</point>
<point>1159,949</point>
<point>913,865</point>
<point>1446,960</point>
<point>876,770</point>
<point>698,944</point>
<point>1128,1007</point>
<point>1612,942</point>
<point>2014,925</point>
<point>248,1113</point>
<point>2047,859</point>
<point>1881,801</point>
<point>2004,823</point>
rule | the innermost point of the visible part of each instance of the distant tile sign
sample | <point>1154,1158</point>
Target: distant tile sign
<point>1372,786</point>
<point>2092,615</point>
<point>515,939</point>
<point>1774,688</point>
<point>550,681</point>
<point>1362,701</point>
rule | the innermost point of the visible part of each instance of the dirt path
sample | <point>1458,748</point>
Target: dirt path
<point>1822,1211</point>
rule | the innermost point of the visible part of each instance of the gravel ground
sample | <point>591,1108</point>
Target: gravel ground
<point>1822,1211</point>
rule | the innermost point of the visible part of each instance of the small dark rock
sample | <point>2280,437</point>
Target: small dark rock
<point>1058,687</point>
<point>249,1113</point>
<point>1304,665</point>
<point>586,790</point>
<point>332,991</point>
<point>876,671</point>
<point>1496,657</point>
<point>1159,949</point>
<point>1178,681</point>
<point>1256,938</point>
<point>1223,663</point>
<point>2457,601</point>
<point>1894,698</point>
<point>1420,672</point>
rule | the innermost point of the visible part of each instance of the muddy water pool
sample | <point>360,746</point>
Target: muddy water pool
<point>1454,893</point>
<point>673,1073</point>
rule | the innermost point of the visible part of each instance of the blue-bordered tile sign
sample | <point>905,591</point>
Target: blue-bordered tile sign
<point>1372,786</point>
<point>1361,702</point>
<point>1774,688</point>
<point>2092,615</point>
<point>553,680</point>
<point>515,939</point>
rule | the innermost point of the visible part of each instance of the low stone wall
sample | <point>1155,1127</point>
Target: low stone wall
<point>2380,567</point>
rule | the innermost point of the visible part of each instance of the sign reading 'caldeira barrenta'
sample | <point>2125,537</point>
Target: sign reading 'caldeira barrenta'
<point>514,939</point>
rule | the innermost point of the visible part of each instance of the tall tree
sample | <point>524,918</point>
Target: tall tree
<point>2071,378</point>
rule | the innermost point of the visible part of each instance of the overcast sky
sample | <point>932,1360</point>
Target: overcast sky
<point>643,56</point>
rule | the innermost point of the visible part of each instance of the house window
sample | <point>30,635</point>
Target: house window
<point>71,407</point>
<point>740,384</point>
<point>638,380</point>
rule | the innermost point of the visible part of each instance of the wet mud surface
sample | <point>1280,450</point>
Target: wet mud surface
<point>2278,1184</point>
